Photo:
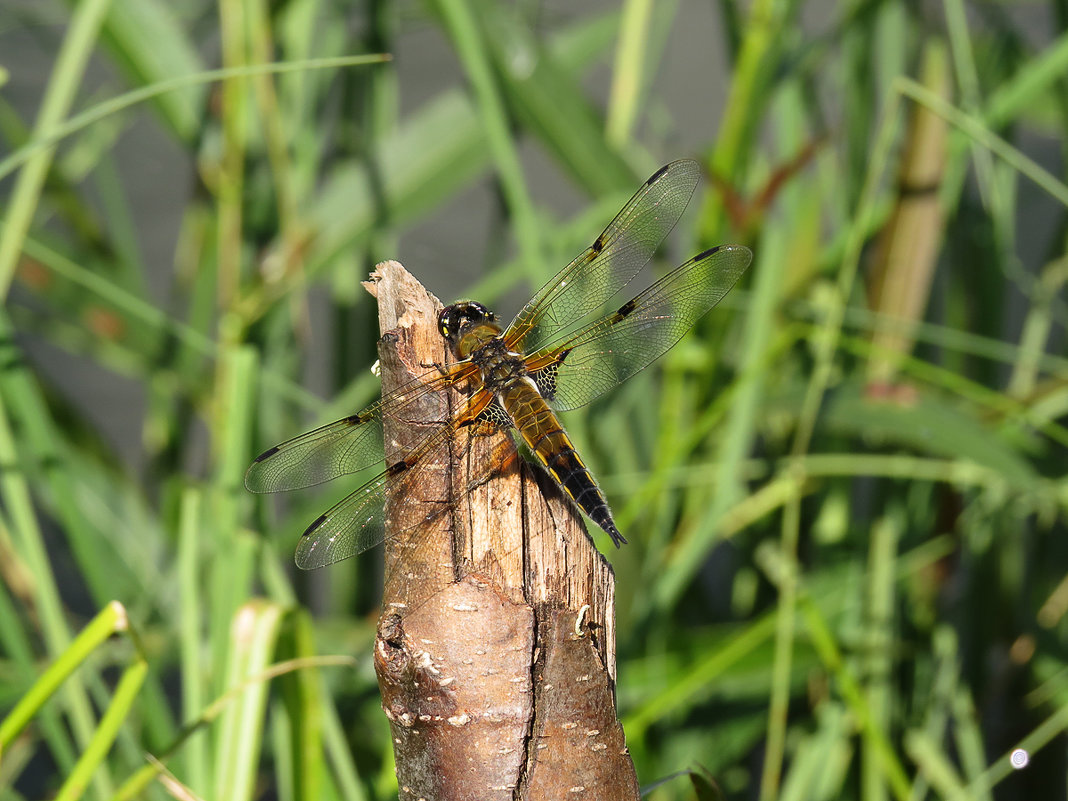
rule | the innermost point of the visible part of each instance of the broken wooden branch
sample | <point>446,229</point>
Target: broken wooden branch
<point>496,648</point>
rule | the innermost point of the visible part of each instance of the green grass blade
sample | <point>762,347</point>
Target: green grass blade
<point>121,703</point>
<point>627,78</point>
<point>66,77</point>
<point>194,689</point>
<point>461,25</point>
<point>252,642</point>
<point>109,621</point>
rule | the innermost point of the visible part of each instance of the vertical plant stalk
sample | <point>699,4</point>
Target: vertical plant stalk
<point>879,649</point>
<point>234,106</point>
<point>746,101</point>
<point>62,87</point>
<point>460,21</point>
<point>628,71</point>
<point>495,652</point>
<point>907,250</point>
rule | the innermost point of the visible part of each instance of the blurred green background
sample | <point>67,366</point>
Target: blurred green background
<point>848,574</point>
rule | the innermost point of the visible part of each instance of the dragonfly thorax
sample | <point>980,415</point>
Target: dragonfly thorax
<point>468,326</point>
<point>500,367</point>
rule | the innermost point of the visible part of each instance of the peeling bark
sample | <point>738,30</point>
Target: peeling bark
<point>577,749</point>
<point>495,652</point>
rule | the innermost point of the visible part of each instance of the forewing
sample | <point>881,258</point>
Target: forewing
<point>350,527</point>
<point>617,255</point>
<point>346,446</point>
<point>358,521</point>
<point>575,371</point>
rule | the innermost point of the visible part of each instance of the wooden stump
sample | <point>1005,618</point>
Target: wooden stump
<point>496,648</point>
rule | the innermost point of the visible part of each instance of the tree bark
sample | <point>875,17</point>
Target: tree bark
<point>495,652</point>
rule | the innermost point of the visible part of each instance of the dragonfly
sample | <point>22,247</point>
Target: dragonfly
<point>559,353</point>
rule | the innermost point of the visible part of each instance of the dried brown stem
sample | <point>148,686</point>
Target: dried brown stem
<point>496,648</point>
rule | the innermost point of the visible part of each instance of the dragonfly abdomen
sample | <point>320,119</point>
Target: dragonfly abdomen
<point>543,434</point>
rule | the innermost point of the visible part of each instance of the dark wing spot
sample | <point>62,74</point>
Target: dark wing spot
<point>707,253</point>
<point>397,468</point>
<point>314,525</point>
<point>266,454</point>
<point>653,178</point>
<point>627,308</point>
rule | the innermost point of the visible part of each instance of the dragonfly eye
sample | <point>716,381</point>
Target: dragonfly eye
<point>454,320</point>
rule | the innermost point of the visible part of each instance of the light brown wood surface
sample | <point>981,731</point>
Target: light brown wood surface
<point>496,648</point>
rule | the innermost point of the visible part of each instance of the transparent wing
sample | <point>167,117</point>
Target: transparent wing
<point>358,522</point>
<point>350,527</point>
<point>617,255</point>
<point>579,368</point>
<point>345,446</point>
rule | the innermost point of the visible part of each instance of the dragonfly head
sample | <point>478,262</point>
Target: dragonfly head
<point>467,326</point>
